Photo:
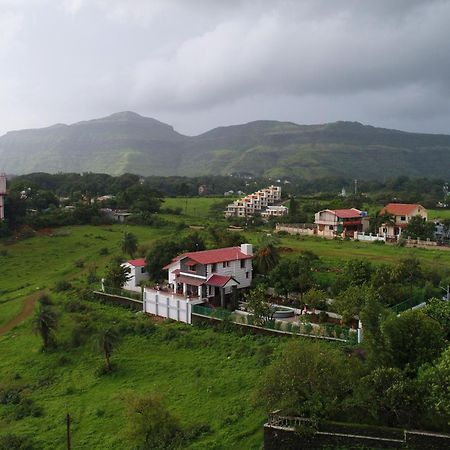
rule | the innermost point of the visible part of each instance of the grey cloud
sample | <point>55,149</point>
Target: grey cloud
<point>202,63</point>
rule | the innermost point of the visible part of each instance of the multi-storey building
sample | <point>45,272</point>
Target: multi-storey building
<point>400,214</point>
<point>257,202</point>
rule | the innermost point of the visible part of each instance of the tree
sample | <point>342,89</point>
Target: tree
<point>439,310</point>
<point>151,425</point>
<point>282,278</point>
<point>419,228</point>
<point>310,379</point>
<point>412,339</point>
<point>315,298</point>
<point>266,255</point>
<point>129,243</point>
<point>356,272</point>
<point>257,304</point>
<point>408,270</point>
<point>45,322</point>
<point>390,398</point>
<point>117,274</point>
<point>436,378</point>
<point>350,302</point>
<point>107,340</point>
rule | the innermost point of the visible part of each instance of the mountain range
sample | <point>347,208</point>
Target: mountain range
<point>128,142</point>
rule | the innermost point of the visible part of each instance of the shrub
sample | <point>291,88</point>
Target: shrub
<point>264,355</point>
<point>79,263</point>
<point>27,408</point>
<point>14,442</point>
<point>323,317</point>
<point>9,396</point>
<point>103,251</point>
<point>63,285</point>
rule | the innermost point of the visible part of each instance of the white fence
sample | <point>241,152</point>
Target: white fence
<point>169,305</point>
<point>369,237</point>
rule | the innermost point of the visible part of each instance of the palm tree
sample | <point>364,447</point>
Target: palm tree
<point>266,256</point>
<point>129,243</point>
<point>45,322</point>
<point>107,340</point>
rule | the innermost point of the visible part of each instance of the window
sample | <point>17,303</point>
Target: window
<point>247,274</point>
<point>331,227</point>
<point>402,218</point>
<point>226,264</point>
<point>213,267</point>
<point>143,270</point>
<point>242,263</point>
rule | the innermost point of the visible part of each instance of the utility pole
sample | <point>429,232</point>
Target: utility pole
<point>356,186</point>
<point>68,431</point>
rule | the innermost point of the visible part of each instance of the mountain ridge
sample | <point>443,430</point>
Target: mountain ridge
<point>129,142</point>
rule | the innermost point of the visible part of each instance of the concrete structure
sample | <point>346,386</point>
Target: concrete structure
<point>138,274</point>
<point>210,276</point>
<point>254,203</point>
<point>401,215</point>
<point>341,222</point>
<point>274,211</point>
<point>2,195</point>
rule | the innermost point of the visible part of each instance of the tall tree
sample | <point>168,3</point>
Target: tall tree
<point>107,340</point>
<point>45,322</point>
<point>129,243</point>
<point>266,255</point>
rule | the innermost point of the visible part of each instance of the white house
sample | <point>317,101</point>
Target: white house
<point>340,222</point>
<point>209,276</point>
<point>138,273</point>
<point>274,211</point>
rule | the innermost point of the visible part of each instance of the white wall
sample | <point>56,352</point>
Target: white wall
<point>167,305</point>
<point>136,277</point>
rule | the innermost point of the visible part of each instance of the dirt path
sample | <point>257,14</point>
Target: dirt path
<point>27,310</point>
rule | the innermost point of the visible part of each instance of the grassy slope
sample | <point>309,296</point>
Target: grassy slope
<point>208,383</point>
<point>41,261</point>
<point>205,377</point>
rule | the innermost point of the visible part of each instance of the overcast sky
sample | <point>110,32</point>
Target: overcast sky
<point>197,64</point>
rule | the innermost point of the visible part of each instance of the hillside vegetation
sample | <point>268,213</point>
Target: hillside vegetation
<point>128,142</point>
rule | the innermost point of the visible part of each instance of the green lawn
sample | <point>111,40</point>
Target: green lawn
<point>438,214</point>
<point>195,207</point>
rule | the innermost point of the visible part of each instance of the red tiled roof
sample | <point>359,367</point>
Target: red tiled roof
<point>193,281</point>
<point>219,280</point>
<point>400,209</point>
<point>214,256</point>
<point>137,262</point>
<point>347,213</point>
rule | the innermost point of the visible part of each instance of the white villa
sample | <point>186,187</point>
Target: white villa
<point>138,273</point>
<point>206,277</point>
<point>257,202</point>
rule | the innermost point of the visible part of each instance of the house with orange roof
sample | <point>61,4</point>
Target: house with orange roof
<point>400,214</point>
<point>332,223</point>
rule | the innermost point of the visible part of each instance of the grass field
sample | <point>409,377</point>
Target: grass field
<point>438,214</point>
<point>40,262</point>
<point>194,206</point>
<point>334,252</point>
<point>206,379</point>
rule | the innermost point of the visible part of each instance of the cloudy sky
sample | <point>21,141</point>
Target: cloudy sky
<point>197,64</point>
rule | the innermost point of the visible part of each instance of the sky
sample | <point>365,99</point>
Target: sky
<point>199,64</point>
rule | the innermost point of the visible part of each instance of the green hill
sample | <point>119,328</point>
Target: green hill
<point>128,142</point>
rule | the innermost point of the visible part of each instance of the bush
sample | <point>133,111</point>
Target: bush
<point>79,263</point>
<point>27,408</point>
<point>264,355</point>
<point>62,285</point>
<point>9,396</point>
<point>15,442</point>
<point>103,251</point>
